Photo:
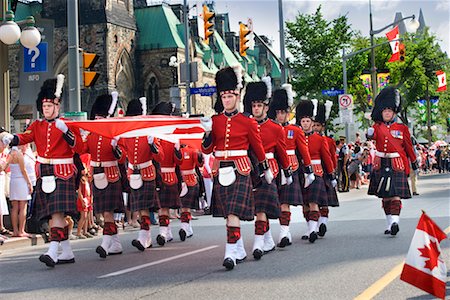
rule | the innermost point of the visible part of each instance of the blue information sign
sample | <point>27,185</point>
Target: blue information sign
<point>204,91</point>
<point>35,60</point>
<point>332,92</point>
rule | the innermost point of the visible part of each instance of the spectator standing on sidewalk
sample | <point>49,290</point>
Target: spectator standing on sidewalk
<point>3,204</point>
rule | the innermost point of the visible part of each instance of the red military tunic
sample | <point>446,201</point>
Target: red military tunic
<point>394,138</point>
<point>168,163</point>
<point>188,165</point>
<point>102,155</point>
<point>272,136</point>
<point>332,150</point>
<point>295,140</point>
<point>319,153</point>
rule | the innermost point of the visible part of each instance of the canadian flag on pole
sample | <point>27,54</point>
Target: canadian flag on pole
<point>393,37</point>
<point>424,267</point>
<point>442,81</point>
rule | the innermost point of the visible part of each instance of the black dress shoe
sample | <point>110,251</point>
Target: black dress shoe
<point>387,231</point>
<point>394,229</point>
<point>322,230</point>
<point>160,240</point>
<point>47,260</point>
<point>305,237</point>
<point>257,254</point>
<point>284,242</point>
<point>416,194</point>
<point>182,234</point>
<point>138,245</point>
<point>228,263</point>
<point>101,252</point>
<point>65,261</point>
<point>312,237</point>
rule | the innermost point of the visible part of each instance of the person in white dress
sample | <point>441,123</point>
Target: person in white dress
<point>4,211</point>
<point>19,191</point>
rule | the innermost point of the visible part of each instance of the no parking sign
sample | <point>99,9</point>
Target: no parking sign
<point>345,101</point>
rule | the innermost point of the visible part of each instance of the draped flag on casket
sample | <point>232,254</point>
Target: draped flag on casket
<point>170,128</point>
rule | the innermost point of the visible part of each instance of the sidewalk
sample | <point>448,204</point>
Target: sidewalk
<point>20,242</point>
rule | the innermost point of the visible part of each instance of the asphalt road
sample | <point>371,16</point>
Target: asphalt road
<point>352,257</point>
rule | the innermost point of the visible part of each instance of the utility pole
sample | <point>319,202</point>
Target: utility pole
<point>186,55</point>
<point>74,56</point>
<point>344,77</point>
<point>282,46</point>
<point>427,98</point>
<point>4,76</point>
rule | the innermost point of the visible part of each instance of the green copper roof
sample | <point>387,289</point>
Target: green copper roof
<point>24,10</point>
<point>225,55</point>
<point>158,28</point>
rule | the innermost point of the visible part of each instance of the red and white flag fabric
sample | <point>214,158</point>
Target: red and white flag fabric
<point>393,37</point>
<point>424,267</point>
<point>169,128</point>
<point>442,81</point>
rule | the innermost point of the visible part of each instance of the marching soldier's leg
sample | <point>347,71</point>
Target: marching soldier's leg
<point>396,206</point>
<point>144,239</point>
<point>269,244</point>
<point>66,257</point>
<point>285,235</point>
<point>323,220</point>
<point>260,229</point>
<point>387,211</point>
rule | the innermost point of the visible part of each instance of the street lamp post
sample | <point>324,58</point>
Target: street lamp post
<point>10,34</point>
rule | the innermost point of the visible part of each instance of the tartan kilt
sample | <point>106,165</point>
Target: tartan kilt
<point>109,198</point>
<point>144,198</point>
<point>316,193</point>
<point>236,199</point>
<point>169,196</point>
<point>291,194</point>
<point>62,199</point>
<point>398,182</point>
<point>333,200</point>
<point>266,200</point>
<point>191,199</point>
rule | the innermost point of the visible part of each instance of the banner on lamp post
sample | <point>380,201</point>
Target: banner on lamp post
<point>393,37</point>
<point>442,81</point>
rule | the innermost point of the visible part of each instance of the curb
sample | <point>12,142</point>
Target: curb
<point>19,242</point>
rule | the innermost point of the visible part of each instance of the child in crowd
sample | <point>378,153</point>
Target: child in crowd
<point>84,204</point>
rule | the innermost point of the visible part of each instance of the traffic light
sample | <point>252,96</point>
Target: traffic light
<point>401,49</point>
<point>208,23</point>
<point>89,77</point>
<point>244,31</point>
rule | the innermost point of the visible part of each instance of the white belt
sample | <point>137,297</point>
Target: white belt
<point>387,155</point>
<point>316,161</point>
<point>167,170</point>
<point>187,172</point>
<point>290,152</point>
<point>140,166</point>
<point>269,155</point>
<point>55,161</point>
<point>230,153</point>
<point>111,163</point>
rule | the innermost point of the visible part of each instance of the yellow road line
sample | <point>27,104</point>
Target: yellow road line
<point>384,281</point>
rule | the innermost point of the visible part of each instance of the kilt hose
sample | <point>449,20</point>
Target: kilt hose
<point>333,200</point>
<point>169,196</point>
<point>109,198</point>
<point>386,183</point>
<point>190,200</point>
<point>291,194</point>
<point>266,200</point>
<point>316,193</point>
<point>235,199</point>
<point>144,198</point>
<point>62,200</point>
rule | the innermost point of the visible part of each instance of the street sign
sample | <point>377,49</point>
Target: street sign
<point>346,116</point>
<point>332,92</point>
<point>345,101</point>
<point>35,60</point>
<point>204,91</point>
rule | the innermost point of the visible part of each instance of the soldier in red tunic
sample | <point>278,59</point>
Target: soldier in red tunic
<point>140,152</point>
<point>169,193</point>
<point>394,150</point>
<point>267,206</point>
<point>56,144</point>
<point>314,195</point>
<point>230,134</point>
<point>299,157</point>
<point>107,189</point>
<point>319,126</point>
<point>190,191</point>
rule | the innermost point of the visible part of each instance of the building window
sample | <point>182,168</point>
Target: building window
<point>152,93</point>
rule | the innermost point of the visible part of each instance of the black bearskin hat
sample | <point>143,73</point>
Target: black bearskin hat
<point>164,108</point>
<point>137,107</point>
<point>229,79</point>
<point>305,109</point>
<point>104,105</point>
<point>388,97</point>
<point>259,91</point>
<point>282,99</point>
<point>51,91</point>
<point>323,112</point>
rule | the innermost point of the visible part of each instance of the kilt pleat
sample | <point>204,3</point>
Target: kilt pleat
<point>62,199</point>
<point>266,200</point>
<point>316,193</point>
<point>144,198</point>
<point>291,194</point>
<point>398,182</point>
<point>236,199</point>
<point>190,200</point>
<point>333,200</point>
<point>169,196</point>
<point>109,198</point>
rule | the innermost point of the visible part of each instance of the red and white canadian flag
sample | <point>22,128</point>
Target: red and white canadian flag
<point>442,81</point>
<point>393,37</point>
<point>424,267</point>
